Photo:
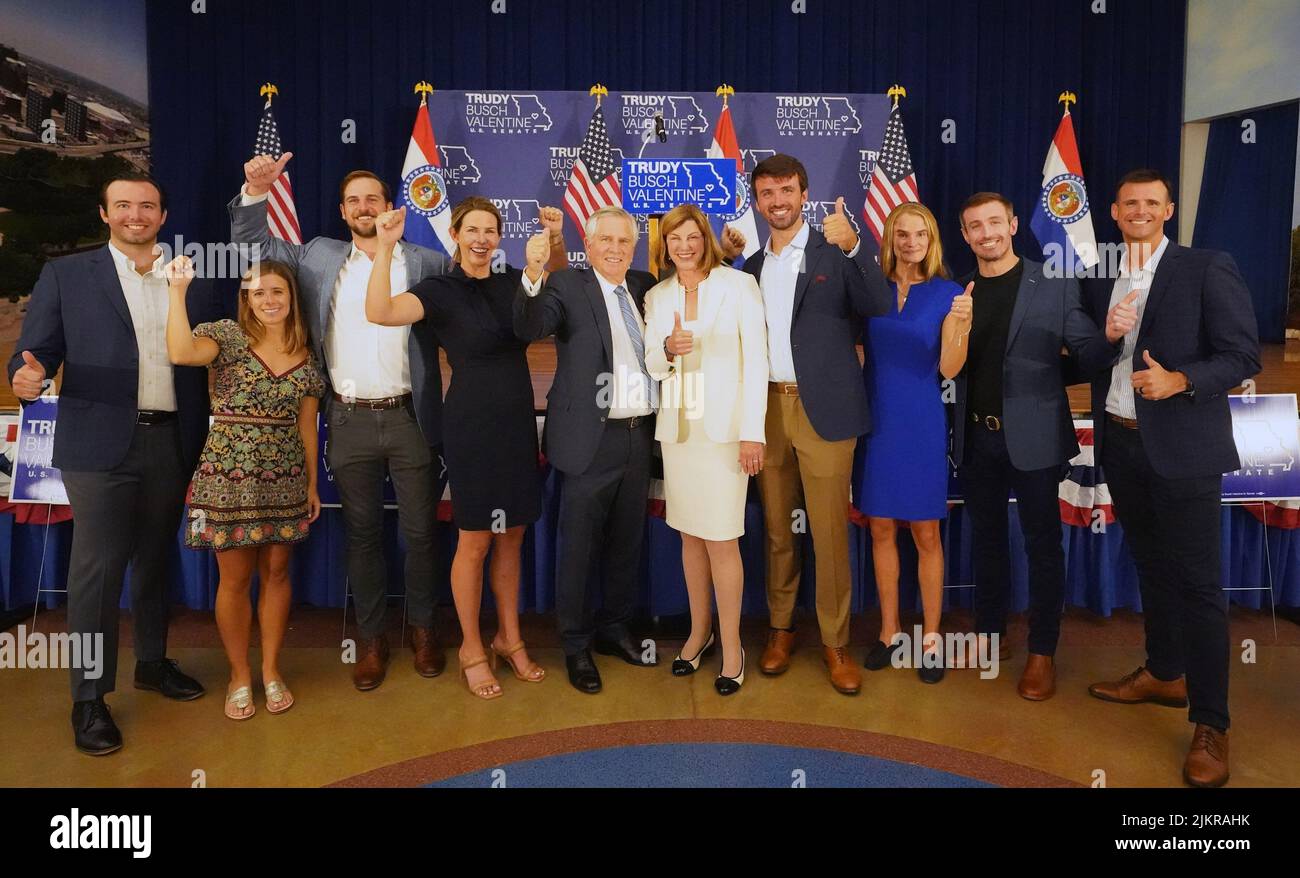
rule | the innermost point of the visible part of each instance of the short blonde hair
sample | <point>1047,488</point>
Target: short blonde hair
<point>679,216</point>
<point>933,263</point>
<point>589,228</point>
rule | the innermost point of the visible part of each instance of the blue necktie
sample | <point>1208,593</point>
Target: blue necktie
<point>638,343</point>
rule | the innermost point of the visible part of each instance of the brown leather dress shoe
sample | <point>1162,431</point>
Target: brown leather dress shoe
<point>372,663</point>
<point>776,656</point>
<point>1139,687</point>
<point>844,673</point>
<point>429,658</point>
<point>1038,682</point>
<point>1207,760</point>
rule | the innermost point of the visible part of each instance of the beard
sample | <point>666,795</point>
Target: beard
<point>791,218</point>
<point>362,231</point>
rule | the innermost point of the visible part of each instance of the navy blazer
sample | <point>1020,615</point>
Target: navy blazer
<point>831,299</point>
<point>572,308</point>
<point>78,319</point>
<point>317,265</point>
<point>1198,320</point>
<point>1036,418</point>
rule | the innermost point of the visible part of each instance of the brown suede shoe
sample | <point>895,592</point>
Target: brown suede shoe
<point>968,653</point>
<point>844,673</point>
<point>429,658</point>
<point>776,656</point>
<point>1038,682</point>
<point>1207,760</point>
<point>372,663</point>
<point>1139,687</point>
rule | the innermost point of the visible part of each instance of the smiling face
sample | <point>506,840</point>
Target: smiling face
<point>911,239</point>
<point>269,299</point>
<point>610,246</point>
<point>686,246</point>
<point>363,200</point>
<point>988,229</point>
<point>132,212</point>
<point>1141,211</point>
<point>477,239</point>
<point>780,200</point>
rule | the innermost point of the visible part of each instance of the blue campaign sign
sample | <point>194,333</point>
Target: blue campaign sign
<point>659,185</point>
<point>1267,432</point>
<point>35,480</point>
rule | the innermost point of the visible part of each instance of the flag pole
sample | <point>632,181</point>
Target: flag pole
<point>1066,98</point>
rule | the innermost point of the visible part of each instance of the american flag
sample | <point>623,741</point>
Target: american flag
<point>893,182</point>
<point>593,183</point>
<point>281,215</point>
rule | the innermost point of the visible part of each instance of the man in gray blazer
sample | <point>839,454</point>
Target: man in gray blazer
<point>1013,431</point>
<point>384,407</point>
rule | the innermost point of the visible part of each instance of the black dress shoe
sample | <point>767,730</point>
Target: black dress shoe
<point>623,648</point>
<point>93,728</point>
<point>731,685</point>
<point>683,667</point>
<point>166,677</point>
<point>582,672</point>
<point>881,656</point>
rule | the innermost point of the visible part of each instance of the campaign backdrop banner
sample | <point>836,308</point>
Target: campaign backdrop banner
<point>1267,433</point>
<point>518,148</point>
<point>35,480</point>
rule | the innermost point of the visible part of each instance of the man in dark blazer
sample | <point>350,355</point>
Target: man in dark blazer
<point>817,288</point>
<point>1012,429</point>
<point>1163,436</point>
<point>384,408</point>
<point>599,432</point>
<point>130,430</point>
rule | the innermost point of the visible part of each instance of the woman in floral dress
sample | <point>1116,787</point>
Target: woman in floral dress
<point>254,492</point>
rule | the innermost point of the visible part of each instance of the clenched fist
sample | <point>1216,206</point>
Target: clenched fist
<point>179,272</point>
<point>733,243</point>
<point>390,225</point>
<point>261,171</point>
<point>837,229</point>
<point>552,220</point>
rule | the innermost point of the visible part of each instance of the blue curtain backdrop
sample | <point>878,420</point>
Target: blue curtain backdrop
<point>993,67</point>
<point>1245,205</point>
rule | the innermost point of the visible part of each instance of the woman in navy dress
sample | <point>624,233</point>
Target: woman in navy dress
<point>904,465</point>
<point>489,428</point>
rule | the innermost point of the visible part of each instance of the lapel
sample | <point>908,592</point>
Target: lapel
<point>329,278</point>
<point>812,254</point>
<point>1159,286</point>
<point>712,293</point>
<point>414,265</point>
<point>596,298</point>
<point>1033,273</point>
<point>105,273</point>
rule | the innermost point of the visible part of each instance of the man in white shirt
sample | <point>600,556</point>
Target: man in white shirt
<point>383,409</point>
<point>130,430</point>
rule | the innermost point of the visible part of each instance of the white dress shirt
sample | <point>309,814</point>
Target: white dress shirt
<point>1119,399</point>
<point>778,278</point>
<point>147,300</point>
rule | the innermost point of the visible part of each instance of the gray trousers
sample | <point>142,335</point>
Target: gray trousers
<point>128,515</point>
<point>361,443</point>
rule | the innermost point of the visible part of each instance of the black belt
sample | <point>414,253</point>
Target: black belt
<point>375,405</point>
<point>989,422</point>
<point>151,418</point>
<point>628,423</point>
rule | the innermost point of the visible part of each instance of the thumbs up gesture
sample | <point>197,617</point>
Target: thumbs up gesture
<point>261,171</point>
<point>1121,319</point>
<point>29,380</point>
<point>963,307</point>
<point>681,341</point>
<point>838,230</point>
<point>733,242</point>
<point>1156,382</point>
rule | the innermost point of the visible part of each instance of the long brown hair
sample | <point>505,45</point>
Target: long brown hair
<point>933,263</point>
<point>295,330</point>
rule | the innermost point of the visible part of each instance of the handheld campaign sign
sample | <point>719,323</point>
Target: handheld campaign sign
<point>35,480</point>
<point>659,185</point>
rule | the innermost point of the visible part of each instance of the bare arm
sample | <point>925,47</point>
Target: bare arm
<point>382,307</point>
<point>183,349</point>
<point>955,334</point>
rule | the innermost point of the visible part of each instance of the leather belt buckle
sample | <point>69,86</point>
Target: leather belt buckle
<point>992,423</point>
<point>152,418</point>
<point>785,388</point>
<point>634,421</point>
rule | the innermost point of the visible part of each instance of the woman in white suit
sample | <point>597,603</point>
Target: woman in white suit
<point>706,341</point>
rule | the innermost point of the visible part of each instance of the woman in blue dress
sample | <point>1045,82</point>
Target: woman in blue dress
<point>904,466</point>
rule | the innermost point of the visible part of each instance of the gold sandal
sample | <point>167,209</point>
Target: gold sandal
<point>278,697</point>
<point>239,701</point>
<point>535,673</point>
<point>487,690</point>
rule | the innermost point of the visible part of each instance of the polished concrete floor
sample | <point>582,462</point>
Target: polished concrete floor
<point>414,730</point>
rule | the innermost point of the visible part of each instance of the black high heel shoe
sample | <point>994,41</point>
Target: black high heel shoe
<point>731,685</point>
<point>683,667</point>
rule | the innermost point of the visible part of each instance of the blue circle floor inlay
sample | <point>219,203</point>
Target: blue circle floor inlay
<point>709,765</point>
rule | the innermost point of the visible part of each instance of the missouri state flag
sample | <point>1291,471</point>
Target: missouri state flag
<point>725,145</point>
<point>423,190</point>
<point>1062,219</point>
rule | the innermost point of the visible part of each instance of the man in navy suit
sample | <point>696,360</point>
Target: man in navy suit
<point>1012,429</point>
<point>599,432</point>
<point>817,288</point>
<point>130,430</point>
<point>1163,435</point>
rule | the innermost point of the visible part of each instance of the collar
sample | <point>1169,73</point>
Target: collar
<point>608,288</point>
<point>1152,262</point>
<point>124,263</point>
<point>399,253</point>
<point>799,242</point>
